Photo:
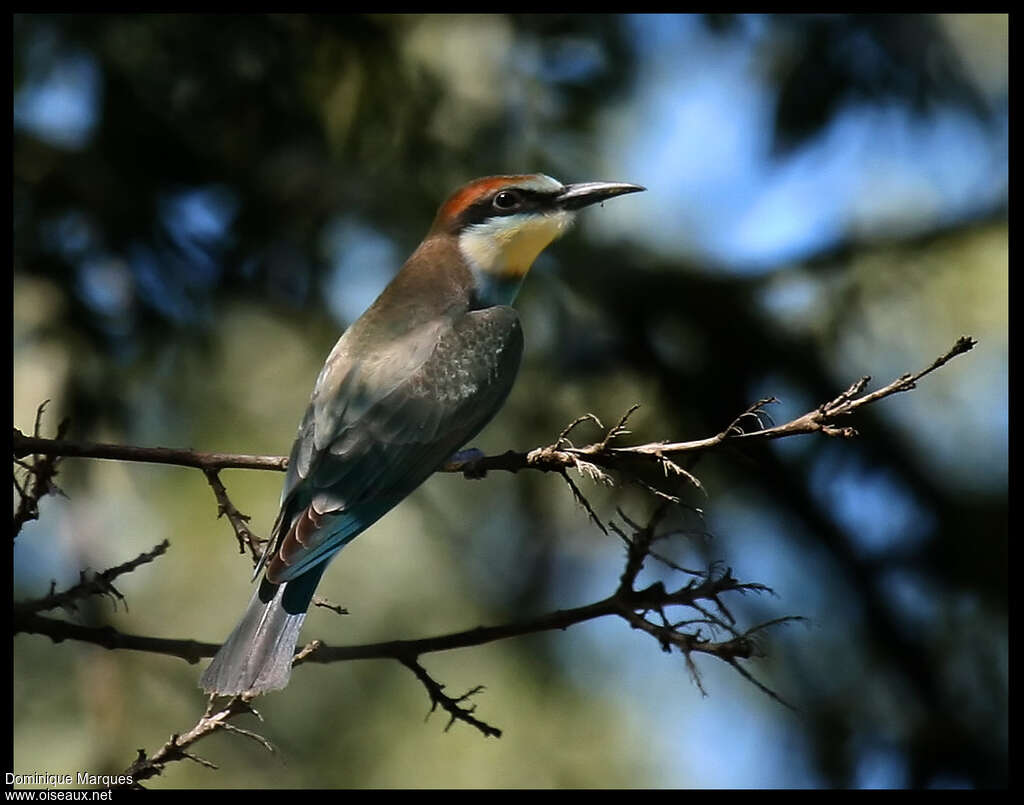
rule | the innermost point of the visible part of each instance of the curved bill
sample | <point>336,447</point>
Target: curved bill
<point>584,194</point>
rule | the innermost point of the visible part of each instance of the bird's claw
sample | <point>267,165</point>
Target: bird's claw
<point>467,462</point>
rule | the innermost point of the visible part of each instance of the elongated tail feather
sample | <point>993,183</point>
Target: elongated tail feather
<point>257,657</point>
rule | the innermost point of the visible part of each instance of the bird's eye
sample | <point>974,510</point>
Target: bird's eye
<point>506,200</point>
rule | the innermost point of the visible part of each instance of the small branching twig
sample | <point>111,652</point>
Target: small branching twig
<point>95,584</point>
<point>319,601</point>
<point>580,498</point>
<point>687,635</point>
<point>304,653</point>
<point>563,437</point>
<point>239,521</point>
<point>454,708</point>
<point>39,474</point>
<point>630,462</point>
<point>822,419</point>
<point>628,602</point>
<point>638,546</point>
<point>146,766</point>
<point>619,429</point>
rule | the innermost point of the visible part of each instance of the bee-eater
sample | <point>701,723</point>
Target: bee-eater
<point>410,382</point>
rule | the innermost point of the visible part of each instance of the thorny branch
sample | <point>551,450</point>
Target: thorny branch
<point>145,766</point>
<point>96,584</point>
<point>225,508</point>
<point>636,462</point>
<point>715,583</point>
<point>643,463</point>
<point>38,474</point>
<point>453,707</point>
<point>713,631</point>
<point>701,593</point>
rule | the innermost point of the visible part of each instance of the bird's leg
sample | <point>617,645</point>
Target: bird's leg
<point>467,462</point>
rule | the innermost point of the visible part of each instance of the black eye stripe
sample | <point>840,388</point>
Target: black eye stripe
<point>529,201</point>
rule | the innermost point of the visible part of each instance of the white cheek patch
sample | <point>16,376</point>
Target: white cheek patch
<point>505,248</point>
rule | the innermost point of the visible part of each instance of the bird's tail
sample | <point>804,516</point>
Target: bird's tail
<point>257,657</point>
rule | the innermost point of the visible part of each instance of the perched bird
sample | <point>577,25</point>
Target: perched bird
<point>412,380</point>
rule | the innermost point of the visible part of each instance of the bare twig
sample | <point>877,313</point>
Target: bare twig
<point>638,546</point>
<point>303,654</point>
<point>24,445</point>
<point>627,603</point>
<point>39,473</point>
<point>192,651</point>
<point>318,601</point>
<point>225,508</point>
<point>452,706</point>
<point>619,429</point>
<point>563,437</point>
<point>96,584</point>
<point>625,599</point>
<point>582,500</point>
<point>593,458</point>
<point>556,458</point>
<point>176,748</point>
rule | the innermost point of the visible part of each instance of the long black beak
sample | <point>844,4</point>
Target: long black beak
<point>577,196</point>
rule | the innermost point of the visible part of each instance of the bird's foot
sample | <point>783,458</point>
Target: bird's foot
<point>467,462</point>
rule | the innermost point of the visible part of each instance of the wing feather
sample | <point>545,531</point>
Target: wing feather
<point>379,425</point>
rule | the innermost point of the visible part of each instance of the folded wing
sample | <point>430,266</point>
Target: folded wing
<point>379,424</point>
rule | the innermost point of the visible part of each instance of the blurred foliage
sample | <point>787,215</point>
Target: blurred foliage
<point>178,272</point>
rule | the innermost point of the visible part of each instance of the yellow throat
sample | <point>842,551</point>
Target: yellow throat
<point>501,250</point>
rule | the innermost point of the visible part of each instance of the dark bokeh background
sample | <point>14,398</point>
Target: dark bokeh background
<point>202,203</point>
